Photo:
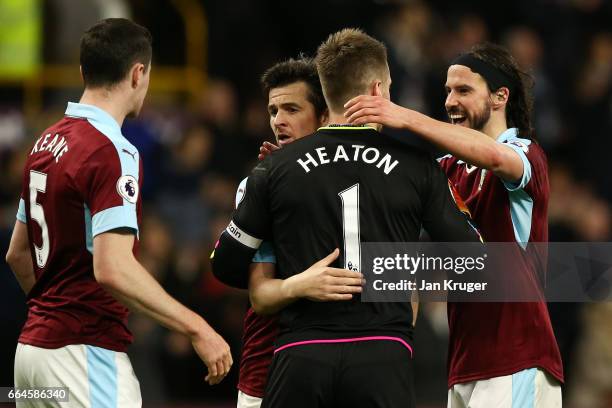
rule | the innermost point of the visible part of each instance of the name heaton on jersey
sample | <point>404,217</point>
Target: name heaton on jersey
<point>370,155</point>
<point>56,146</point>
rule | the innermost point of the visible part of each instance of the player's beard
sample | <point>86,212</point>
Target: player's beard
<point>478,120</point>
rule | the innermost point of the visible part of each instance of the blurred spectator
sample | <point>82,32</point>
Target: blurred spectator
<point>219,111</point>
<point>406,32</point>
<point>592,381</point>
<point>471,29</point>
<point>179,201</point>
<point>576,207</point>
<point>458,34</point>
<point>12,129</point>
<point>71,19</point>
<point>526,46</point>
<point>592,112</point>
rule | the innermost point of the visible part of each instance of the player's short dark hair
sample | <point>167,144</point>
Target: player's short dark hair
<point>291,71</point>
<point>520,102</point>
<point>347,62</point>
<point>110,48</point>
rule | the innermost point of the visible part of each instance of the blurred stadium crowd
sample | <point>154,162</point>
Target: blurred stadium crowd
<point>195,155</point>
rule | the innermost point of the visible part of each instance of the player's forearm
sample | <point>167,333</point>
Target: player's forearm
<point>269,298</point>
<point>19,257</point>
<point>469,145</point>
<point>21,264</point>
<point>132,285</point>
<point>269,295</point>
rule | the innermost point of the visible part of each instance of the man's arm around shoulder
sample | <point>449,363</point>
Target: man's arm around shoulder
<point>320,283</point>
<point>469,145</point>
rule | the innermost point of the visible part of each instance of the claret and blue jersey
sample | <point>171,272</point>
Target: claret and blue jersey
<point>82,178</point>
<point>497,339</point>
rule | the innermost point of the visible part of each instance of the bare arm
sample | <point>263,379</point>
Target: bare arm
<point>267,294</point>
<point>319,283</point>
<point>19,257</point>
<point>469,145</point>
<point>116,269</point>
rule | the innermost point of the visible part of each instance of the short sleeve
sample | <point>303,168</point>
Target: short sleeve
<point>538,185</point>
<point>252,214</point>
<point>265,253</point>
<point>109,180</point>
<point>522,148</point>
<point>250,224</point>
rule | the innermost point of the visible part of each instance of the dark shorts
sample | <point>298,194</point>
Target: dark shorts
<point>364,374</point>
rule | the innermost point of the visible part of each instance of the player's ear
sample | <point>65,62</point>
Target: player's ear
<point>136,74</point>
<point>324,118</point>
<point>81,72</point>
<point>500,97</point>
<point>376,88</point>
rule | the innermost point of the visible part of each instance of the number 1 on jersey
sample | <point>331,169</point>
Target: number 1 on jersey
<point>350,227</point>
<point>38,184</point>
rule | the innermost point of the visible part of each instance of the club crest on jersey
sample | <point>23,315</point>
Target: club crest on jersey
<point>520,144</point>
<point>241,191</point>
<point>127,187</point>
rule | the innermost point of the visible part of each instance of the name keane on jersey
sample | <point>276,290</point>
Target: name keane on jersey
<point>57,146</point>
<point>371,155</point>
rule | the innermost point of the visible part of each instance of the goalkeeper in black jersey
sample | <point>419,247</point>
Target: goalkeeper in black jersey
<point>338,188</point>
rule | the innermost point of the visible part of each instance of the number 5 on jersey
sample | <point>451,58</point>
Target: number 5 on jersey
<point>38,184</point>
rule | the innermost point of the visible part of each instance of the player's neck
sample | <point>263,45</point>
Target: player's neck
<point>495,127</point>
<point>106,100</point>
<point>339,119</point>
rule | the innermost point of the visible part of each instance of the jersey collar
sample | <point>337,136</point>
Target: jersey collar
<point>346,127</point>
<point>91,112</point>
<point>507,134</point>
